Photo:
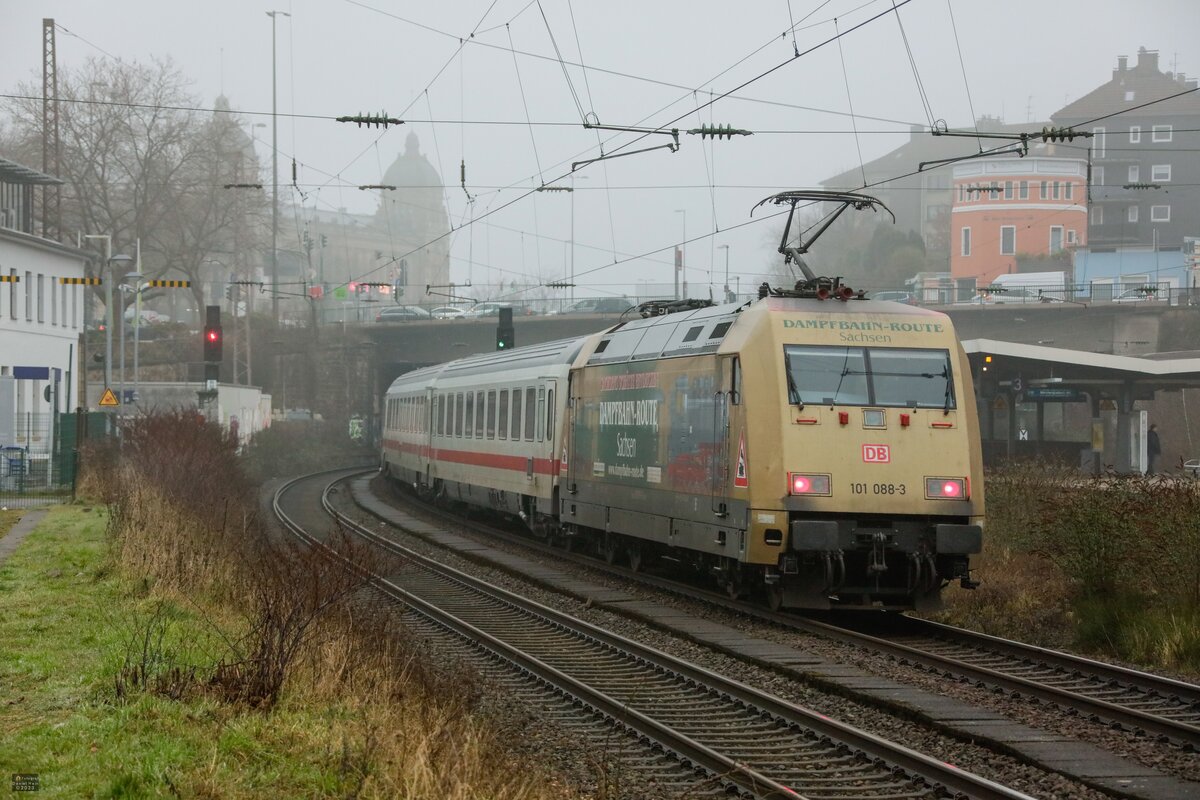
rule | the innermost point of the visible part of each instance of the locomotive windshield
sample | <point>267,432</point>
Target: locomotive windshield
<point>869,376</point>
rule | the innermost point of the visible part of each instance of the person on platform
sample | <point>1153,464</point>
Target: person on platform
<point>1153,449</point>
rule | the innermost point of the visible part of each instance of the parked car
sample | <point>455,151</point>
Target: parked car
<point>1139,295</point>
<point>598,305</point>
<point>492,309</point>
<point>147,316</point>
<point>401,314</point>
<point>446,312</point>
<point>896,297</point>
<point>1012,296</point>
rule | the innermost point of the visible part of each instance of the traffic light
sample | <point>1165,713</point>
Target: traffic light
<point>506,336</point>
<point>212,335</point>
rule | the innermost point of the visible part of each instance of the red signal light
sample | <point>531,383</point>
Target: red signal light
<point>212,335</point>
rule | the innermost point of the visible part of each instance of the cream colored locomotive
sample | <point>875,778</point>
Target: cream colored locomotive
<point>812,447</point>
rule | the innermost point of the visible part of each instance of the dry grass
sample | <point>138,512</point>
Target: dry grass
<point>287,638</point>
<point>1109,565</point>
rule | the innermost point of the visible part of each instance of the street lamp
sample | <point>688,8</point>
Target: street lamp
<point>682,252</point>
<point>110,261</point>
<point>725,247</point>
<point>274,177</point>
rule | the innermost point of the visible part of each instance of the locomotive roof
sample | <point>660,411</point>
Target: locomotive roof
<point>703,330</point>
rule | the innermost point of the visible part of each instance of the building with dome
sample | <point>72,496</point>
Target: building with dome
<point>398,245</point>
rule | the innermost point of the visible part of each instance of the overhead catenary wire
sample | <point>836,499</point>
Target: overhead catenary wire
<point>963,65</point>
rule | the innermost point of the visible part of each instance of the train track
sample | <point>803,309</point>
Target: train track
<point>1139,702</point>
<point>1136,701</point>
<point>743,738</point>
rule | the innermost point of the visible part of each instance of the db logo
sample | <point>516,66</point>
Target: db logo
<point>877,453</point>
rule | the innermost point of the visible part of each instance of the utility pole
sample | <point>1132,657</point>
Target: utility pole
<point>51,148</point>
<point>274,176</point>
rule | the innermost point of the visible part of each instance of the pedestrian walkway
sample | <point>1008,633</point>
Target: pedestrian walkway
<point>19,531</point>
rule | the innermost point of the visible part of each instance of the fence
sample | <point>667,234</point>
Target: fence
<point>39,466</point>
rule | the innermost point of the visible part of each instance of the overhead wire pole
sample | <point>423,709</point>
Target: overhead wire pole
<point>274,175</point>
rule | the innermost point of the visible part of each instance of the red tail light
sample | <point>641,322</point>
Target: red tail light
<point>947,488</point>
<point>800,483</point>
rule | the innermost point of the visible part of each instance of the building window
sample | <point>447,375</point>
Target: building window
<point>28,296</point>
<point>41,298</point>
<point>53,301</point>
<point>1071,236</point>
<point>1097,215</point>
<point>1057,189</point>
<point>1070,186</point>
<point>1098,140</point>
<point>1008,240</point>
<point>995,191</point>
<point>1160,173</point>
<point>12,294</point>
<point>1135,134</point>
<point>1133,214</point>
<point>966,241</point>
<point>1056,238</point>
<point>1135,173</point>
<point>1160,213</point>
<point>1161,133</point>
<point>1097,176</point>
<point>1008,190</point>
<point>1024,191</point>
<point>75,307</point>
<point>1045,193</point>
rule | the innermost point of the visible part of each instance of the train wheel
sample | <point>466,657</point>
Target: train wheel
<point>774,596</point>
<point>634,551</point>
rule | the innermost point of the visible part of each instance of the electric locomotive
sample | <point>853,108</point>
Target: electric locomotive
<point>814,447</point>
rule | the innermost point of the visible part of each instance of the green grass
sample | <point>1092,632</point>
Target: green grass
<point>8,519</point>
<point>70,623</point>
<point>65,620</point>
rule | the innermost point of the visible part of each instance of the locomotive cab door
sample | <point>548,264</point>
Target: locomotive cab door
<point>719,467</point>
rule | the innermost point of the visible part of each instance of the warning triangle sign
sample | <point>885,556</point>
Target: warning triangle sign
<point>741,479</point>
<point>109,398</point>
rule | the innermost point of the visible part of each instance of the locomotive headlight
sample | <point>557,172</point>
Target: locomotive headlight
<point>800,483</point>
<point>947,488</point>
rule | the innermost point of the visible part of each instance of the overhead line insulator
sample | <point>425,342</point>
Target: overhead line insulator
<point>719,131</point>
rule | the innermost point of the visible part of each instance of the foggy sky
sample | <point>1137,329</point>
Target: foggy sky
<point>1023,60</point>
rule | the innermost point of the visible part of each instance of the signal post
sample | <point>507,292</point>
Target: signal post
<point>213,341</point>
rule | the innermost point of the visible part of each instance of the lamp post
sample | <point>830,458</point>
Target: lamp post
<point>274,177</point>
<point>682,254</point>
<point>725,247</point>
<point>109,261</point>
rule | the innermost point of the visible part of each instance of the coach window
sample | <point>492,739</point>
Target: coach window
<point>439,414</point>
<point>516,414</point>
<point>469,419</point>
<point>460,411</point>
<point>480,413</point>
<point>530,413</point>
<point>549,415</point>
<point>693,333</point>
<point>502,414</point>
<point>491,414</point>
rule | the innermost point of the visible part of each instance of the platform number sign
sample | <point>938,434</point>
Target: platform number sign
<point>876,453</point>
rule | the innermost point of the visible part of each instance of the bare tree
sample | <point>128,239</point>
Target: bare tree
<point>140,164</point>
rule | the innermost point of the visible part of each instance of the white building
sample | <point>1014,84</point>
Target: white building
<point>41,317</point>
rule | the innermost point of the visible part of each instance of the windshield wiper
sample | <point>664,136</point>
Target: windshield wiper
<point>793,390</point>
<point>946,375</point>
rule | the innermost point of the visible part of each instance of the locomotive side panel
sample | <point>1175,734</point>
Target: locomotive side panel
<point>648,443</point>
